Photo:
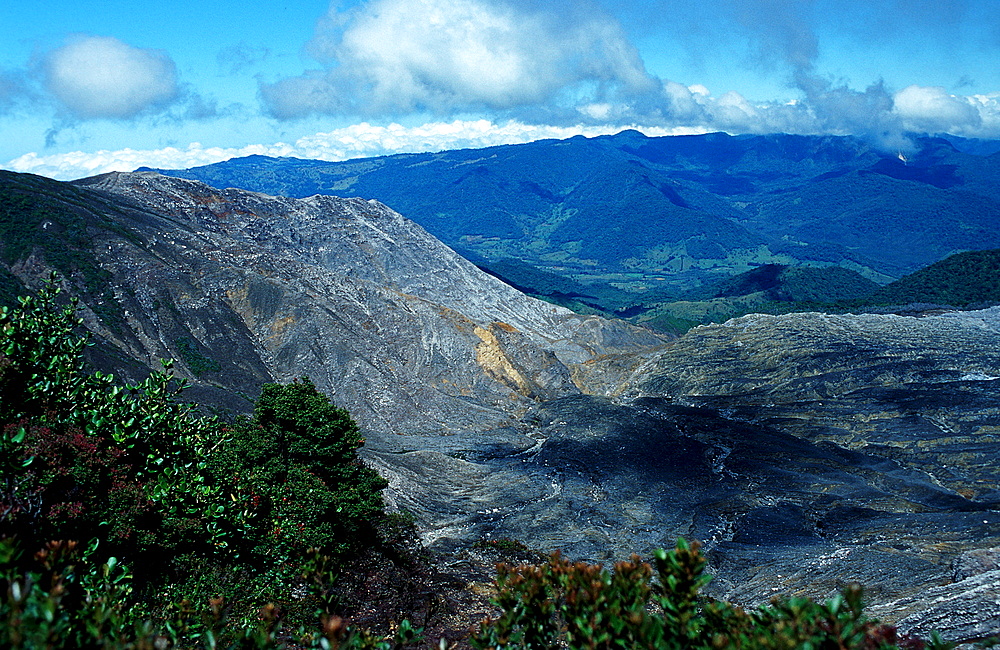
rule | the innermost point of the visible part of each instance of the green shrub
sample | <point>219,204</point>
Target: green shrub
<point>294,470</point>
<point>194,359</point>
<point>561,604</point>
<point>62,599</point>
<point>503,544</point>
<point>215,520</point>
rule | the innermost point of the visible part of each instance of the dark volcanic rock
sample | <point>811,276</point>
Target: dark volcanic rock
<point>907,407</point>
<point>774,511</point>
<point>860,451</point>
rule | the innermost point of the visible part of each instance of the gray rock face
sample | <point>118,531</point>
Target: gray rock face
<point>377,312</point>
<point>921,391</point>
<point>910,405</point>
<point>437,361</point>
<point>805,451</point>
<point>967,611</point>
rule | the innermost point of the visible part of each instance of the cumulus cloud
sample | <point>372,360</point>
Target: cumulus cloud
<point>98,77</point>
<point>933,110</point>
<point>446,56</point>
<point>356,141</point>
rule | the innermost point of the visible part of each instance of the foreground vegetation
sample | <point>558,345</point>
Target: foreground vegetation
<point>563,604</point>
<point>169,525</point>
<point>128,521</point>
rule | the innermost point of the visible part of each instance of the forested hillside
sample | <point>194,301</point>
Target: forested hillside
<point>645,214</point>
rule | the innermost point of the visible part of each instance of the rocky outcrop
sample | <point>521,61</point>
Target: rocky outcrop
<point>910,404</point>
<point>964,611</point>
<point>921,391</point>
<point>407,335</point>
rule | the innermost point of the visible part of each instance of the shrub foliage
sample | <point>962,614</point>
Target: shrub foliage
<point>179,521</point>
<point>561,604</point>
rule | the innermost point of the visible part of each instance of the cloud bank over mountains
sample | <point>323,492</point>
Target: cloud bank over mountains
<point>356,141</point>
<point>543,68</point>
<point>574,64</point>
<point>393,57</point>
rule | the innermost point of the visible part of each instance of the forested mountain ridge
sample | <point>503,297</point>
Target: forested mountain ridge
<point>671,213</point>
<point>959,280</point>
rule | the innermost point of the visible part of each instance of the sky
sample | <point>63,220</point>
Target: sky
<point>88,87</point>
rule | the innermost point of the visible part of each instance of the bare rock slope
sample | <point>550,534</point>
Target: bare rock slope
<point>805,451</point>
<point>913,407</point>
<point>436,360</point>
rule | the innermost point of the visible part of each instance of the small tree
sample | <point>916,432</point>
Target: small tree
<point>310,489</point>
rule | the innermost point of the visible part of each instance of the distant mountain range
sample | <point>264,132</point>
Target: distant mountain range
<point>632,216</point>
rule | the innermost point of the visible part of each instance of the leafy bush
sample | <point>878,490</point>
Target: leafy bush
<point>293,469</point>
<point>503,544</point>
<point>203,512</point>
<point>562,604</point>
<point>63,599</point>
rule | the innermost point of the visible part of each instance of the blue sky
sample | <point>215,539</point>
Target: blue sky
<point>87,87</point>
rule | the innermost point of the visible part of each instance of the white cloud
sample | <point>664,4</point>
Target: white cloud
<point>391,57</point>
<point>988,107</point>
<point>357,141</point>
<point>685,103</point>
<point>97,77</point>
<point>933,110</point>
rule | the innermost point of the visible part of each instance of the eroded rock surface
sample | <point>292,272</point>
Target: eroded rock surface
<point>407,335</point>
<point>909,404</point>
<point>805,451</point>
